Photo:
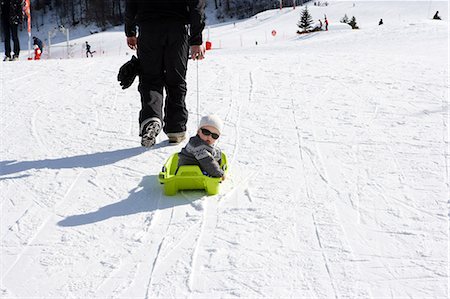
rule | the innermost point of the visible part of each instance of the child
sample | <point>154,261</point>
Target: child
<point>201,150</point>
<point>39,43</point>
<point>37,52</point>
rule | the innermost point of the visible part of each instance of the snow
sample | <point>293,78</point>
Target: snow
<point>338,150</point>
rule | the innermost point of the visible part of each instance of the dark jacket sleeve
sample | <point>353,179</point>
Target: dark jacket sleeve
<point>196,20</point>
<point>210,165</point>
<point>130,17</point>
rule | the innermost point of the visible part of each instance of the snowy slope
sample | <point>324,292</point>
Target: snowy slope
<point>338,184</point>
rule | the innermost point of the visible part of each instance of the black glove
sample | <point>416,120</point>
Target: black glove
<point>128,72</point>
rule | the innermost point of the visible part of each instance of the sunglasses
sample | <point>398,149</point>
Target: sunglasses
<point>207,132</point>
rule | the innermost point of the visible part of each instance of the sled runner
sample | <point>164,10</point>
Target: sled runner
<point>188,177</point>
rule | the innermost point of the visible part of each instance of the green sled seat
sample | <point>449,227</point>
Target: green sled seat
<point>188,177</point>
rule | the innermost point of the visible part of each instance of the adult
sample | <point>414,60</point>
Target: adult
<point>88,50</point>
<point>12,16</point>
<point>162,45</point>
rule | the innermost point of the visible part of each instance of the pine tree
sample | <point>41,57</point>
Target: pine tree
<point>345,19</point>
<point>353,23</point>
<point>305,20</point>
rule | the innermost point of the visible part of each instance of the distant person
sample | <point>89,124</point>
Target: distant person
<point>38,42</point>
<point>380,22</point>
<point>436,16</point>
<point>88,50</point>
<point>37,52</point>
<point>12,16</point>
<point>326,24</point>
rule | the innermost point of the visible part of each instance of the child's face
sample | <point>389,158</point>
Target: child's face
<point>206,134</point>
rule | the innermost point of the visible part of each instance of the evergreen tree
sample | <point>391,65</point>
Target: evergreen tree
<point>345,19</point>
<point>353,23</point>
<point>305,20</point>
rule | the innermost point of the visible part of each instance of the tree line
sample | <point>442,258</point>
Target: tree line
<point>108,13</point>
<point>241,9</point>
<point>103,13</point>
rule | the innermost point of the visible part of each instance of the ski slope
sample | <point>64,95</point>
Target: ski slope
<point>338,151</point>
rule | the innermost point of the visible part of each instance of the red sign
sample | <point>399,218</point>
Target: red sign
<point>274,32</point>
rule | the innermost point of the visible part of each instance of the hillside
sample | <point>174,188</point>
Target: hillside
<point>338,151</point>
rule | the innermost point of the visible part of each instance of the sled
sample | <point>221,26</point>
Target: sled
<point>188,177</point>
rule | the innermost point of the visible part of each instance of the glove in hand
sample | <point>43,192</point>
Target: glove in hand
<point>128,72</point>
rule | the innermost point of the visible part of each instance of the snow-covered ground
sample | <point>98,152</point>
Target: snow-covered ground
<point>338,150</point>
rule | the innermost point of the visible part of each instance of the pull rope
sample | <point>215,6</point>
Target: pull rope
<point>198,99</point>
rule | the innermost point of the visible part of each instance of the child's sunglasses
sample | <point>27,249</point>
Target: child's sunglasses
<point>207,132</point>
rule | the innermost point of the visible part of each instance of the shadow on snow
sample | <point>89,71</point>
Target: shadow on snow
<point>146,197</point>
<point>84,161</point>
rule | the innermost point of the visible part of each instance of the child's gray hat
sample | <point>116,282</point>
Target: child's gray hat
<point>213,121</point>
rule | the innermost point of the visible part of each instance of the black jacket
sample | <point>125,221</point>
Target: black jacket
<point>12,10</point>
<point>38,42</point>
<point>192,12</point>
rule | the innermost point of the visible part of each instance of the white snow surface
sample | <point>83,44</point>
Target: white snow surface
<point>338,152</point>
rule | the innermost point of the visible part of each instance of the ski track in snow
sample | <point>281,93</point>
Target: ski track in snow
<point>158,252</point>
<point>44,222</point>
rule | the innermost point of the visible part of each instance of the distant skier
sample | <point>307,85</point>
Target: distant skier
<point>88,50</point>
<point>436,16</point>
<point>326,23</point>
<point>380,22</point>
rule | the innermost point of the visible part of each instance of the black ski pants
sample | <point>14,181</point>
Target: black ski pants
<point>10,30</point>
<point>163,51</point>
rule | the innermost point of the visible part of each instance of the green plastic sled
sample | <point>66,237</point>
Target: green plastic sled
<point>188,177</point>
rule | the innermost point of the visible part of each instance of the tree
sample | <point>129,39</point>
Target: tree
<point>305,20</point>
<point>345,19</point>
<point>353,23</point>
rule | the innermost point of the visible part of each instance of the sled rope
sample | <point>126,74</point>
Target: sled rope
<point>198,100</point>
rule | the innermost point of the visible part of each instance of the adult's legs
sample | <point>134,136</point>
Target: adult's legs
<point>15,39</point>
<point>7,36</point>
<point>151,54</point>
<point>175,64</point>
